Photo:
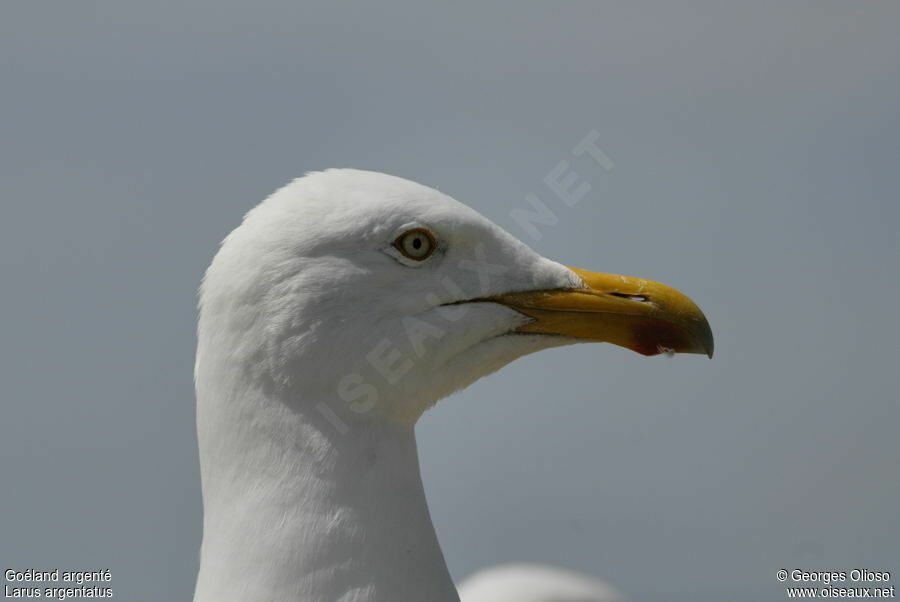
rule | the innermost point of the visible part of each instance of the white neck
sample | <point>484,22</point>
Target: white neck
<point>296,510</point>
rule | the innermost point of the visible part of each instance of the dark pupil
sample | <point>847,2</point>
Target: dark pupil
<point>417,243</point>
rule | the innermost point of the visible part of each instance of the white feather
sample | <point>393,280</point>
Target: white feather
<point>311,483</point>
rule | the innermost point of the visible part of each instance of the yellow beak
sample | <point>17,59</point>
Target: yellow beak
<point>642,315</point>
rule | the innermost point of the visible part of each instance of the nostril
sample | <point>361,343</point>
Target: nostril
<point>639,298</point>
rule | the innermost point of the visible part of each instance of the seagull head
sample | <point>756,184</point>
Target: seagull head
<point>387,295</point>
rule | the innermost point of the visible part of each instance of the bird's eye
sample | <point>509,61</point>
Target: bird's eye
<point>417,244</point>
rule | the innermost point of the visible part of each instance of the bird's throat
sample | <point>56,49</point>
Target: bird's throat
<point>295,509</point>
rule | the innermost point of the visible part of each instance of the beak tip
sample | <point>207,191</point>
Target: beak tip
<point>707,342</point>
<point>709,345</point>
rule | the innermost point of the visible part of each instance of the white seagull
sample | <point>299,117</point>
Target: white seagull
<point>535,583</point>
<point>344,306</point>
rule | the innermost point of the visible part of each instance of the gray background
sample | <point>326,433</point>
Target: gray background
<point>756,150</point>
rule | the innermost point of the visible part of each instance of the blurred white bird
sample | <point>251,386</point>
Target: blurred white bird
<point>344,306</point>
<point>535,583</point>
